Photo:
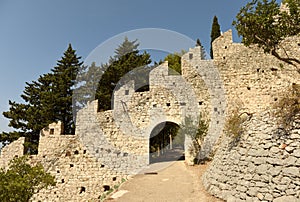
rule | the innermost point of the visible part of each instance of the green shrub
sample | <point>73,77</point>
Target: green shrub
<point>21,180</point>
<point>196,132</point>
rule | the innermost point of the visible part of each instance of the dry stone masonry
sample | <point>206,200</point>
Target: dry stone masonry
<point>110,146</point>
<point>264,164</point>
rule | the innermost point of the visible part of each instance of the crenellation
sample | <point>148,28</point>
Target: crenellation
<point>109,146</point>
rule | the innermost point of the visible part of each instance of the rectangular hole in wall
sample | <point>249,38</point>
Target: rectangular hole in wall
<point>182,104</point>
<point>51,131</point>
<point>126,92</point>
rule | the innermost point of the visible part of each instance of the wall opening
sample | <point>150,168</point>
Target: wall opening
<point>106,188</point>
<point>166,143</point>
<point>68,153</point>
<point>82,189</point>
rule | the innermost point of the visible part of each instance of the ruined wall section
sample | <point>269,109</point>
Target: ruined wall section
<point>252,77</point>
<point>14,149</point>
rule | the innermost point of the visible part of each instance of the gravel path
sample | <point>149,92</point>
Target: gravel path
<point>175,182</point>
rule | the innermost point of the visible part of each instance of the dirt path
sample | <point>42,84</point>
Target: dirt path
<point>176,182</point>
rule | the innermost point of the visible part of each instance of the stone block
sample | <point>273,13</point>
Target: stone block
<point>286,199</point>
<point>291,171</point>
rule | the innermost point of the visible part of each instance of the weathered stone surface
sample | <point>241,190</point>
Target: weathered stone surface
<point>291,171</point>
<point>269,197</point>
<point>262,169</point>
<point>260,196</point>
<point>286,198</point>
<point>296,153</point>
<point>290,161</point>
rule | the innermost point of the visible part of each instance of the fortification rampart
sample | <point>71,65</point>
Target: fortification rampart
<point>112,145</point>
<point>263,165</point>
<point>251,77</point>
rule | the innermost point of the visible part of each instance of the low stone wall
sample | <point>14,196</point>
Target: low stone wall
<point>264,165</point>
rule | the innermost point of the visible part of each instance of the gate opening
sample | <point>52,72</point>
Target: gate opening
<point>166,143</point>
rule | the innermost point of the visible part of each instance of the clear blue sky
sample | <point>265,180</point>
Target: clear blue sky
<point>35,33</point>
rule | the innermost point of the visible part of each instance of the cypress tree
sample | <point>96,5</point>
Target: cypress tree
<point>215,33</point>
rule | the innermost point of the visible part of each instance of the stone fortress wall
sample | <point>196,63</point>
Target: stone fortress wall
<point>112,145</point>
<point>264,164</point>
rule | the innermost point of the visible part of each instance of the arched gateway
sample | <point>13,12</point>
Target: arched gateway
<point>120,138</point>
<point>166,143</point>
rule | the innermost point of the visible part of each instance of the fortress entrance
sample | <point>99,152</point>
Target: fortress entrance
<point>166,143</point>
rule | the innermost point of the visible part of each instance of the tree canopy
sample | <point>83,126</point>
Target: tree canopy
<point>174,61</point>
<point>120,65</point>
<point>263,23</point>
<point>86,84</point>
<point>46,100</point>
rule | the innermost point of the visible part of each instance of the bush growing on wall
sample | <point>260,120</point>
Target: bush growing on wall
<point>235,123</point>
<point>20,181</point>
<point>288,107</point>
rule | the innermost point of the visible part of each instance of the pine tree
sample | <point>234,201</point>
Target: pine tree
<point>64,80</point>
<point>86,84</point>
<point>46,100</point>
<point>203,54</point>
<point>117,69</point>
<point>215,33</point>
<point>30,117</point>
<point>126,47</point>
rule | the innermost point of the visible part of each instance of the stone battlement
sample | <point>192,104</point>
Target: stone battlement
<point>112,145</point>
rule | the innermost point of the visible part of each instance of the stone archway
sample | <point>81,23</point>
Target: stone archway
<point>166,143</point>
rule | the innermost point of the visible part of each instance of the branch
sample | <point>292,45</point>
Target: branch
<point>287,60</point>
